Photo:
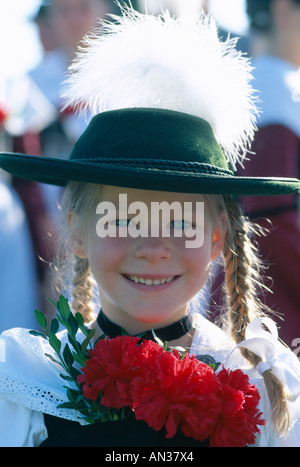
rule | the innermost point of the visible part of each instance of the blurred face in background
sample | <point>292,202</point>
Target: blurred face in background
<point>46,32</point>
<point>74,18</point>
<point>278,22</point>
<point>286,33</point>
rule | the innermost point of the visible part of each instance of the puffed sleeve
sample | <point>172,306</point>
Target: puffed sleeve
<point>20,426</point>
<point>30,385</point>
<point>293,437</point>
<point>269,436</point>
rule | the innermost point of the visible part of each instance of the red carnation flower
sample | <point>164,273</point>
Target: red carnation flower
<point>109,370</point>
<point>239,418</point>
<point>175,393</point>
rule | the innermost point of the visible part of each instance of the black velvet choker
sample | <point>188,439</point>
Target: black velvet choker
<point>166,334</point>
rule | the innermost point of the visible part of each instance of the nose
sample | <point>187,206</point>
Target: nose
<point>153,249</point>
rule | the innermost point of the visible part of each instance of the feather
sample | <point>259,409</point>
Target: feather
<point>141,60</point>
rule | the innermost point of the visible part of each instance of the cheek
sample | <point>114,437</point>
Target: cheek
<point>197,262</point>
<point>105,256</point>
<point>198,271</point>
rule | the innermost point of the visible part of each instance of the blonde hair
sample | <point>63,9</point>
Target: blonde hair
<point>73,272</point>
<point>242,281</point>
<point>242,274</point>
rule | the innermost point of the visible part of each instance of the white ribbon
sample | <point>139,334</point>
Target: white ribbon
<point>265,345</point>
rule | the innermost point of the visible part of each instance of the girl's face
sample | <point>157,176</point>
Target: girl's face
<point>147,281</point>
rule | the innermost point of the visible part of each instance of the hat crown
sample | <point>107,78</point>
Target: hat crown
<point>147,134</point>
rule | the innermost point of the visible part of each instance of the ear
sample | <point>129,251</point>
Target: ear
<point>76,241</point>
<point>218,238</point>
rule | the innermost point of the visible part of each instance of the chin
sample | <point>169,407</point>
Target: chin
<point>153,317</point>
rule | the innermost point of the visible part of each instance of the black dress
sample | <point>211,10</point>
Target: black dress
<point>124,433</point>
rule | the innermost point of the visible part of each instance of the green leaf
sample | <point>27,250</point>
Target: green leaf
<point>38,334</point>
<point>86,341</point>
<point>158,340</point>
<point>68,357</point>
<point>52,358</point>
<point>67,405</point>
<point>79,399</point>
<point>63,307</point>
<point>75,373</point>
<point>63,322</point>
<point>54,342</point>
<point>52,302</point>
<point>81,359</point>
<point>66,325</point>
<point>76,345</point>
<point>178,348</point>
<point>54,326</point>
<point>40,319</point>
<point>89,420</point>
<point>66,377</point>
<point>216,366</point>
<point>80,320</point>
<point>72,394</point>
<point>73,324</point>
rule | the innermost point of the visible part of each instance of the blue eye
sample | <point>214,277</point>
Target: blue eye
<point>122,222</point>
<point>181,224</point>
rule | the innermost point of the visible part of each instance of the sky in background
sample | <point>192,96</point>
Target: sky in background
<point>19,45</point>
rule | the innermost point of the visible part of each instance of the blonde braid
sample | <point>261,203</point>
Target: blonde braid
<point>241,273</point>
<point>82,291</point>
<point>242,276</point>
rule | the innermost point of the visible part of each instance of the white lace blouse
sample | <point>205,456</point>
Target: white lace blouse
<point>30,384</point>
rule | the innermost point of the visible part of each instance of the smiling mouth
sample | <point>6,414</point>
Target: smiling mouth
<point>149,281</point>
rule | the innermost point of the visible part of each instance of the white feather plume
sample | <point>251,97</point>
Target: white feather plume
<point>151,61</point>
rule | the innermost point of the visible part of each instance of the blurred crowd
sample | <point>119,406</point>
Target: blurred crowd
<point>33,121</point>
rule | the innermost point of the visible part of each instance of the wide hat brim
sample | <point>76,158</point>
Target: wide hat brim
<point>149,149</point>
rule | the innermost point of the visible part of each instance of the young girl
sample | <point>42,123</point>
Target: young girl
<point>149,204</point>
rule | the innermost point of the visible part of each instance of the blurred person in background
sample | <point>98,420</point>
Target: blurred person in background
<point>43,21</point>
<point>18,292</point>
<point>17,273</point>
<point>46,129</point>
<point>275,46</point>
<point>69,21</point>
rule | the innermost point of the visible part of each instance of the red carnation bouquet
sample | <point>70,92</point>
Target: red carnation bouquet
<point>119,377</point>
